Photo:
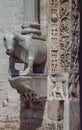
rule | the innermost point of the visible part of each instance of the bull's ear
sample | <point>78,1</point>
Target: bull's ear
<point>19,36</point>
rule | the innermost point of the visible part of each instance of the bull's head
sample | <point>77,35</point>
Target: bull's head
<point>9,42</point>
<point>11,39</point>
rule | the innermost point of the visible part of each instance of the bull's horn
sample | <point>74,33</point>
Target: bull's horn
<point>19,36</point>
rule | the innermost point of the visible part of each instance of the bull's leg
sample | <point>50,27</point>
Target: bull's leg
<point>12,71</point>
<point>29,69</point>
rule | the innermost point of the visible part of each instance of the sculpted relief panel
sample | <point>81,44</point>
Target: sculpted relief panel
<point>65,34</point>
<point>75,35</point>
<point>60,45</point>
<point>58,88</point>
<point>64,47</point>
<point>74,87</point>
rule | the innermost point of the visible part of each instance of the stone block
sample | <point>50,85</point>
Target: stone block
<point>2,125</point>
<point>3,95</point>
<point>31,124</point>
<point>38,109</point>
<point>55,110</point>
<point>52,125</point>
<point>74,115</point>
<point>3,118</point>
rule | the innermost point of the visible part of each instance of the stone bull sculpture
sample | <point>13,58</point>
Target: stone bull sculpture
<point>28,50</point>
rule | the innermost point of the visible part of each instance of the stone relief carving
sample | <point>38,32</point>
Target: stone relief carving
<point>74,85</point>
<point>65,34</point>
<point>64,46</point>
<point>50,125</point>
<point>58,86</point>
<point>54,33</point>
<point>75,35</point>
<point>30,51</point>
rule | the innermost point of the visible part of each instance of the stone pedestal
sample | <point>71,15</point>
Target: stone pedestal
<point>33,87</point>
<point>39,111</point>
<point>33,93</point>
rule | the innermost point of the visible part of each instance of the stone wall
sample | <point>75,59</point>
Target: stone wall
<point>11,17</point>
<point>61,86</point>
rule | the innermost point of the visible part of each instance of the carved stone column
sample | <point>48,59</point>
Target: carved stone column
<point>31,11</point>
<point>31,17</point>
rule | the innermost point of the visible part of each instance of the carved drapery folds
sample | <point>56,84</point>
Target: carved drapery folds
<point>65,34</point>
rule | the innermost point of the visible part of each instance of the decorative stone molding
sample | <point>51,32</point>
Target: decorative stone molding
<point>64,39</point>
<point>31,88</point>
<point>54,35</point>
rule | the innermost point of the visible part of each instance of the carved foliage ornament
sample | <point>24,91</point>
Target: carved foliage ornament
<point>64,32</point>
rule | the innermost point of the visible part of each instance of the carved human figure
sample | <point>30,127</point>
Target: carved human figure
<point>57,88</point>
<point>28,50</point>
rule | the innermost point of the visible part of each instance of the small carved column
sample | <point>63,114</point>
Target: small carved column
<point>31,11</point>
<point>31,17</point>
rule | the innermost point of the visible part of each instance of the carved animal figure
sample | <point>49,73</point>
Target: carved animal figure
<point>30,51</point>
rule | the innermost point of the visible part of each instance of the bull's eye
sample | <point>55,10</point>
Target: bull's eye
<point>4,38</point>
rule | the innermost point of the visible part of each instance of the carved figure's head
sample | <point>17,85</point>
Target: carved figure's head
<point>9,42</point>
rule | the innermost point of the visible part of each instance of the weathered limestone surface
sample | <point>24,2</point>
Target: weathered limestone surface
<point>63,78</point>
<point>11,16</point>
<point>74,115</point>
<point>33,92</point>
<point>46,102</point>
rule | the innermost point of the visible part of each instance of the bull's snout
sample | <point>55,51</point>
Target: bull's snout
<point>9,51</point>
